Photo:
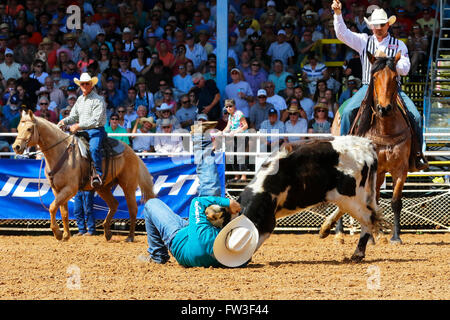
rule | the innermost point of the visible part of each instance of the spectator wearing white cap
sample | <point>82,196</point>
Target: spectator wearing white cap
<point>165,112</point>
<point>240,91</point>
<point>9,68</point>
<point>127,39</point>
<point>281,50</point>
<point>169,143</point>
<point>260,110</point>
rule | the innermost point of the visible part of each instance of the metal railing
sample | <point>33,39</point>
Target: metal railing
<point>255,149</point>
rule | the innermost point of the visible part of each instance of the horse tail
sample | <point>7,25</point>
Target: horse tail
<point>145,182</point>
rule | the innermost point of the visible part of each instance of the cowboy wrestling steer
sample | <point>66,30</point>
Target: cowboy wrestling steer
<point>340,170</point>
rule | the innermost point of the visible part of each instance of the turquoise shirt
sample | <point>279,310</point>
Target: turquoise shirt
<point>125,139</point>
<point>192,246</point>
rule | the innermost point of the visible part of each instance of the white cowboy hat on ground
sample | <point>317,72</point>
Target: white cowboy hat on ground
<point>379,16</point>
<point>85,77</point>
<point>236,242</point>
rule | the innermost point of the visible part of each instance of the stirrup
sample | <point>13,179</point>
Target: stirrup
<point>420,162</point>
<point>96,181</point>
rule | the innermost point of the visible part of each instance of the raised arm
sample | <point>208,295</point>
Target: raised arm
<point>356,41</point>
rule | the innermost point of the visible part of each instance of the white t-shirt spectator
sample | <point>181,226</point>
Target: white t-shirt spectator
<point>281,51</point>
<point>197,54</point>
<point>143,143</point>
<point>278,102</point>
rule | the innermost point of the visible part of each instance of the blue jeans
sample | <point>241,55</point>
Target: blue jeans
<point>355,102</point>
<point>96,138</point>
<point>83,210</point>
<point>206,166</point>
<point>161,225</point>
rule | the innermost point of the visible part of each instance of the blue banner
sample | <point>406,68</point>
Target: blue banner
<point>23,195</point>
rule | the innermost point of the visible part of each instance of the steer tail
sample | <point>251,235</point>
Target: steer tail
<point>145,182</point>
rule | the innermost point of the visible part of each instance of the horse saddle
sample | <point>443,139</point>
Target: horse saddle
<point>111,147</point>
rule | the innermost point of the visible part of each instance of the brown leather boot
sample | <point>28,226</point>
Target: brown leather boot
<point>421,162</point>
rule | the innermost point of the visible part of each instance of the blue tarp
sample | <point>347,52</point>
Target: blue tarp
<point>23,195</point>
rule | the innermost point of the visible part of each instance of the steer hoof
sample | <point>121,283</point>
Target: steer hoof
<point>396,241</point>
<point>357,258</point>
<point>129,239</point>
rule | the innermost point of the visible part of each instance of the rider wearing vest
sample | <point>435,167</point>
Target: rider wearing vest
<point>89,114</point>
<point>380,41</point>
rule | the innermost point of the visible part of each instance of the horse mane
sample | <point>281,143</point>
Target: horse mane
<point>368,103</point>
<point>50,124</point>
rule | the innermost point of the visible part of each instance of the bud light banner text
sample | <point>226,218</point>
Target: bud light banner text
<point>23,195</point>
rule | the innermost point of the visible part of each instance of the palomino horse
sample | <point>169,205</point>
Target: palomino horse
<point>67,170</point>
<point>382,120</point>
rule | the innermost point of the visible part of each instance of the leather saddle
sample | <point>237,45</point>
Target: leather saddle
<point>111,147</point>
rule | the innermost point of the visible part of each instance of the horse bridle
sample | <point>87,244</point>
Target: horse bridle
<point>35,137</point>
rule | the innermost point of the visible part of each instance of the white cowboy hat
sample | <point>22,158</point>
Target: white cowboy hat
<point>85,77</point>
<point>379,16</point>
<point>236,242</point>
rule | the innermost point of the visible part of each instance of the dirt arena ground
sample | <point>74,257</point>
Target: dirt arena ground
<point>287,267</point>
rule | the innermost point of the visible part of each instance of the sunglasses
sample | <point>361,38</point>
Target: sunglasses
<point>120,111</point>
<point>229,106</point>
<point>162,84</point>
<point>114,118</point>
<point>255,65</point>
<point>166,127</point>
<point>293,113</point>
<point>184,102</point>
<point>167,92</point>
<point>83,84</point>
<point>321,110</point>
<point>43,103</point>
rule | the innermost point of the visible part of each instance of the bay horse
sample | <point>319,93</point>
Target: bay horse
<point>382,118</point>
<point>68,175</point>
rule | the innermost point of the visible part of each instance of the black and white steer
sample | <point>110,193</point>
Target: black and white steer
<point>340,170</point>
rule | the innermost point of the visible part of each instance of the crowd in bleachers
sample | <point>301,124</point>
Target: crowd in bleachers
<point>156,62</point>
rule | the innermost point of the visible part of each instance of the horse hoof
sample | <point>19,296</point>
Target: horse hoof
<point>396,241</point>
<point>324,233</point>
<point>58,235</point>
<point>66,237</point>
<point>356,258</point>
<point>129,239</point>
<point>108,235</point>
